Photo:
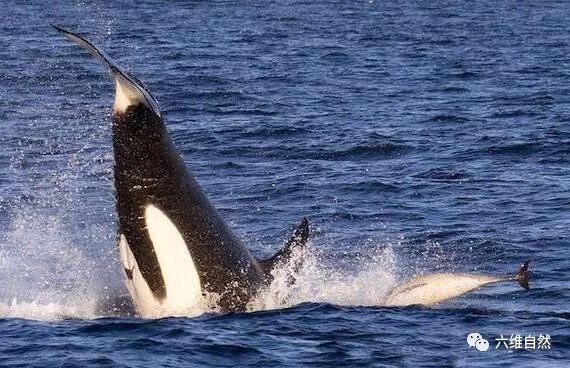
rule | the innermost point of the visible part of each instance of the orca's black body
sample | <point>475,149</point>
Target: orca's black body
<point>161,205</point>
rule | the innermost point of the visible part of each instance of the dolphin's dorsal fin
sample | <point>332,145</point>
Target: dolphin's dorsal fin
<point>128,90</point>
<point>297,242</point>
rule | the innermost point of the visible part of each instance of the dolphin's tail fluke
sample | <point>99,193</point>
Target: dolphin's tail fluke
<point>128,85</point>
<point>522,276</point>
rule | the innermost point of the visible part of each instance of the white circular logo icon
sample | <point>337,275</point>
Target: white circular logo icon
<point>474,339</point>
<point>482,345</point>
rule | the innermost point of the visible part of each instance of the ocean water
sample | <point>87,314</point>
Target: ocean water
<point>417,137</point>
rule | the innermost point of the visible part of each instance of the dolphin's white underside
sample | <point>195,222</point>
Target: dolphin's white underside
<point>436,288</point>
<point>183,287</point>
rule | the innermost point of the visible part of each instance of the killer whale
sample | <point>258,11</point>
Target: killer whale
<point>174,246</point>
<point>438,287</point>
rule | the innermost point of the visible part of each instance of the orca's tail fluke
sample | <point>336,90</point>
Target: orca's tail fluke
<point>522,276</point>
<point>129,86</point>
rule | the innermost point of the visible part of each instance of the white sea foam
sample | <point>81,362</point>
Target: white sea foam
<point>320,281</point>
<point>43,272</point>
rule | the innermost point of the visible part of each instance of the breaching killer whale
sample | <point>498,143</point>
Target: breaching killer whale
<point>438,287</point>
<point>174,246</point>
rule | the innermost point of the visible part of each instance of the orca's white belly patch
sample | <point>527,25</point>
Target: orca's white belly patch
<point>181,279</point>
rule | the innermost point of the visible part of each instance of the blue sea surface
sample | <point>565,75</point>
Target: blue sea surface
<point>417,137</point>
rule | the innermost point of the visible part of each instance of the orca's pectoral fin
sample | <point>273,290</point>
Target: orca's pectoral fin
<point>93,50</point>
<point>130,89</point>
<point>522,276</point>
<point>298,242</point>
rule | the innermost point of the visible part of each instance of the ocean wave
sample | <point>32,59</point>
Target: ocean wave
<point>441,174</point>
<point>445,118</point>
<point>519,149</point>
<point>366,151</point>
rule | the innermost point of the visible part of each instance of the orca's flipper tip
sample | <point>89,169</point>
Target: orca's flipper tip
<point>86,44</point>
<point>58,28</point>
<point>73,36</point>
<point>522,276</point>
<point>132,90</point>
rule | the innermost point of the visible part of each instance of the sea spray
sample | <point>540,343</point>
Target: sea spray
<point>321,281</point>
<point>43,274</point>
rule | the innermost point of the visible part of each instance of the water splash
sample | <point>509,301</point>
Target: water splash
<point>323,281</point>
<point>42,274</point>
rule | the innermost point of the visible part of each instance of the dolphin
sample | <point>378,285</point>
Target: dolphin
<point>177,252</point>
<point>438,287</point>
